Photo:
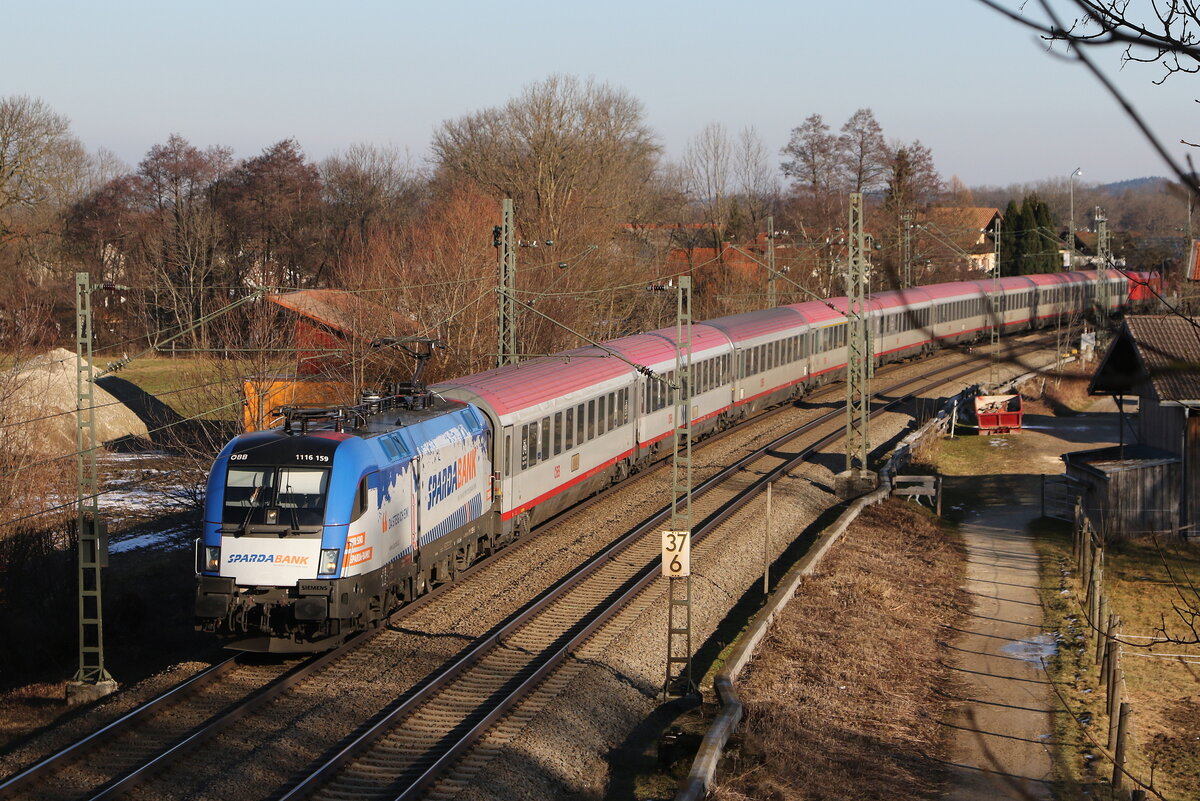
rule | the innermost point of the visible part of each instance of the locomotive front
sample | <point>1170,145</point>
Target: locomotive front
<point>275,526</point>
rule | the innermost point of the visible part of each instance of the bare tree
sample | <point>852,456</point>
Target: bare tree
<point>575,156</point>
<point>179,246</point>
<point>813,158</point>
<point>814,165</point>
<point>41,161</point>
<point>367,189</point>
<point>864,153</point>
<point>708,167</point>
<point>756,180</point>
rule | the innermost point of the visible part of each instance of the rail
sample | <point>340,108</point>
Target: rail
<point>712,746</point>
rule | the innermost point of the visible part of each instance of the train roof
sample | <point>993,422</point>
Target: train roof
<point>913,296</point>
<point>656,347</point>
<point>1052,279</point>
<point>816,311</point>
<point>957,289</point>
<point>750,325</point>
<point>512,388</point>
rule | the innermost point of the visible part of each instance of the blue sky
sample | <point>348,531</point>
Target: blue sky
<point>977,89</point>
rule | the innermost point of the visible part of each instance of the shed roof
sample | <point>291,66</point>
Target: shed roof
<point>1119,459</point>
<point>1162,352</point>
<point>345,312</point>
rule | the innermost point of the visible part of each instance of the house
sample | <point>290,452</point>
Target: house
<point>959,236</point>
<point>333,335</point>
<point>1158,360</point>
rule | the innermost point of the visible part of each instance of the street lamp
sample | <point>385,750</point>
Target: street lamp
<point>1071,223</point>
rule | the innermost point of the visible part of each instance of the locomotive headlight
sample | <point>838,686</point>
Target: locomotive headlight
<point>212,558</point>
<point>329,560</point>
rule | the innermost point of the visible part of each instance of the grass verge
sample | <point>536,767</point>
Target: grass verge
<point>843,699</point>
<point>1164,749</point>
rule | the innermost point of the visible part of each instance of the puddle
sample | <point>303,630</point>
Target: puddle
<point>1033,649</point>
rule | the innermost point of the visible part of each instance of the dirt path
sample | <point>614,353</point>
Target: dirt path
<point>1001,746</point>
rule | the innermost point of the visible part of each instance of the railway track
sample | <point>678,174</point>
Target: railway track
<point>503,669</point>
<point>417,742</point>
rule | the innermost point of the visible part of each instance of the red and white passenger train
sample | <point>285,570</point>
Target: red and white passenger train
<point>369,513</point>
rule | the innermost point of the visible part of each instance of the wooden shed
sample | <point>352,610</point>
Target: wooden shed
<point>1157,358</point>
<point>1129,490</point>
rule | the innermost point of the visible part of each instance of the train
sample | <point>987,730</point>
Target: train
<point>321,528</point>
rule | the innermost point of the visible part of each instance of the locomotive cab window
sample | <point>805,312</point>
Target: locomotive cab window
<point>360,500</point>
<point>297,492</point>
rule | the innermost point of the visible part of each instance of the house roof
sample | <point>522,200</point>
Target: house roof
<point>957,231</point>
<point>345,313</point>
<point>976,219</point>
<point>1163,352</point>
<point>1193,267</point>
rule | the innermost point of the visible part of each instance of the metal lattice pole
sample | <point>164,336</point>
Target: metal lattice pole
<point>858,354</point>
<point>1102,258</point>
<point>679,604</point>
<point>906,218</point>
<point>92,548</point>
<point>771,297</point>
<point>506,327</point>
<point>997,312</point>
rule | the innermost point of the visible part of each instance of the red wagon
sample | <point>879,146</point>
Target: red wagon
<point>998,414</point>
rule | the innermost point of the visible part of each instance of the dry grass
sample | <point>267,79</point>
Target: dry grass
<point>1165,694</point>
<point>1063,394</point>
<point>844,700</point>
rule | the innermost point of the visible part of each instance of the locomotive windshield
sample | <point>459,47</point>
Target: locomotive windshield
<point>297,492</point>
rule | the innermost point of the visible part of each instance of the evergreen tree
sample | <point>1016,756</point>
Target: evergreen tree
<point>1048,259</point>
<point>1010,260</point>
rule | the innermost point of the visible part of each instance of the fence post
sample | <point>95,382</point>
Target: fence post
<point>1114,707</point>
<point>939,495</point>
<point>1114,656</point>
<point>1119,754</point>
<point>1097,582</point>
<point>1101,642</point>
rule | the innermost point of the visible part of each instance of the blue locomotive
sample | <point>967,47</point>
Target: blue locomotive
<point>315,530</point>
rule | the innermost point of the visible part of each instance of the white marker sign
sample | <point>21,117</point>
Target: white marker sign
<point>677,553</point>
